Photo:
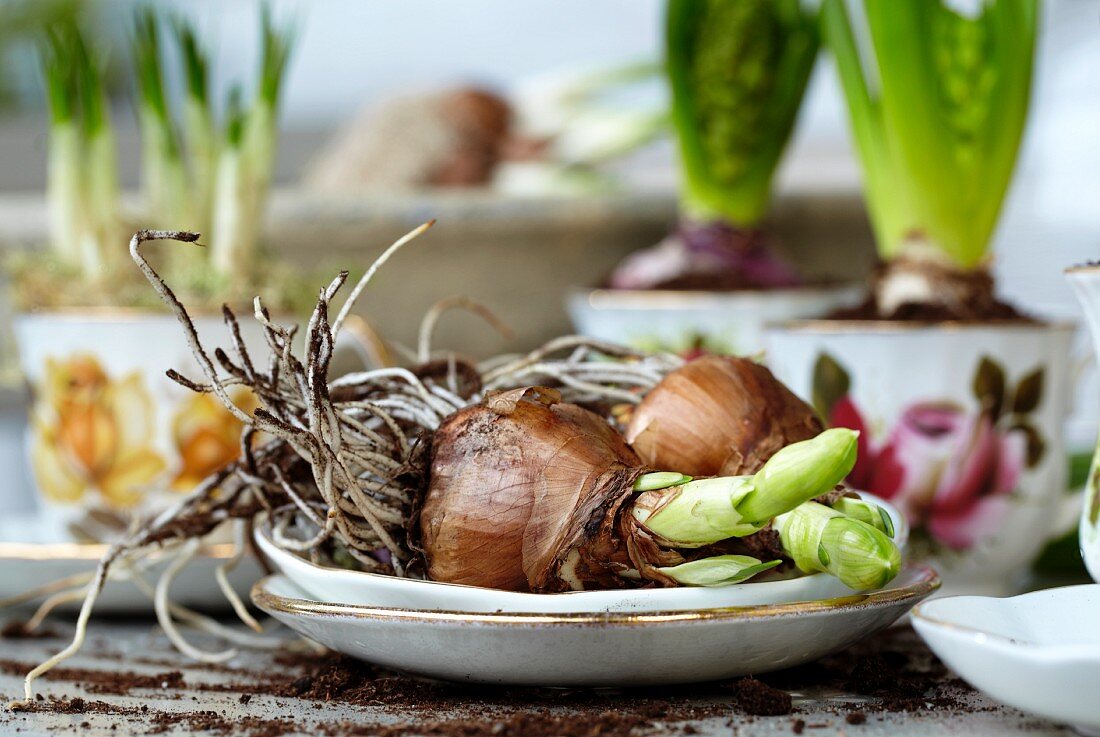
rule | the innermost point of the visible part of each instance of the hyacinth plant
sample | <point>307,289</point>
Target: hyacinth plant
<point>204,166</point>
<point>938,96</point>
<point>737,72</point>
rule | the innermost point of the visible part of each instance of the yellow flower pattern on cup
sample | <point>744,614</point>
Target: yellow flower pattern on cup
<point>93,434</point>
<point>207,436</point>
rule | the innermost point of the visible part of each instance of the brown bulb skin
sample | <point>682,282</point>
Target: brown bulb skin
<point>518,484</point>
<point>718,416</point>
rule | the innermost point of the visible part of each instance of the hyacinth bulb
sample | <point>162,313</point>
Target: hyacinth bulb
<point>524,496</point>
<point>718,416</point>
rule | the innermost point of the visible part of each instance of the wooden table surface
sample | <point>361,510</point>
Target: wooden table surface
<point>138,646</point>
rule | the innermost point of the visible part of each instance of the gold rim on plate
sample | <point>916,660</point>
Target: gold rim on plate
<point>925,581</point>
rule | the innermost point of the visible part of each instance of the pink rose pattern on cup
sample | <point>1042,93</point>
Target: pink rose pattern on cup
<point>950,469</point>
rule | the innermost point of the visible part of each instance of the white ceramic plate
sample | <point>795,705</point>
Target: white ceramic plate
<point>370,589</point>
<point>591,649</point>
<point>1038,651</point>
<point>31,560</point>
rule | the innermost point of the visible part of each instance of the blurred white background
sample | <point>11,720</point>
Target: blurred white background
<point>353,53</point>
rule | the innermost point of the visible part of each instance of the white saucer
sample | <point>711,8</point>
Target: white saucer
<point>29,560</point>
<point>325,583</point>
<point>1039,652</point>
<point>590,649</point>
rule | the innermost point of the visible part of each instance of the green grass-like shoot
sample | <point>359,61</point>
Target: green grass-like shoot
<point>937,110</point>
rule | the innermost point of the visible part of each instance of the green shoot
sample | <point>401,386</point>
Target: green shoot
<point>198,122</point>
<point>737,71</point>
<point>233,226</point>
<point>260,127</point>
<point>64,186</point>
<point>82,181</point>
<point>248,161</point>
<point>215,179</point>
<point>937,114</point>
<point>163,174</point>
<point>103,252</point>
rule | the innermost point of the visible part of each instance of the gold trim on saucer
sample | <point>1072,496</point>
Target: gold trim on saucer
<point>925,582</point>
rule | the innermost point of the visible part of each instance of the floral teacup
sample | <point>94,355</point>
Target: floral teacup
<point>110,436</point>
<point>960,427</point>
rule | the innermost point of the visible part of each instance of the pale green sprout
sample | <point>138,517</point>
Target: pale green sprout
<point>100,169</point>
<point>231,225</point>
<point>218,183</point>
<point>164,176</point>
<point>818,538</point>
<point>867,512</point>
<point>65,166</point>
<point>660,480</point>
<point>248,161</point>
<point>234,156</point>
<point>720,570</point>
<point>801,471</point>
<point>198,122</point>
<point>698,513</point>
<point>82,183</point>
<point>705,511</point>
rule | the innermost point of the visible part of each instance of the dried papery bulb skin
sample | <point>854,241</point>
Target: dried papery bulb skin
<point>718,416</point>
<point>525,494</point>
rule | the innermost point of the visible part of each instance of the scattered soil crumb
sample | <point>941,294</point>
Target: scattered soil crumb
<point>16,629</point>
<point>758,698</point>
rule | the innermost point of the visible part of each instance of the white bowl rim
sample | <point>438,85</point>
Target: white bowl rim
<point>260,531</point>
<point>629,297</point>
<point>833,326</point>
<point>923,581</point>
<point>1012,646</point>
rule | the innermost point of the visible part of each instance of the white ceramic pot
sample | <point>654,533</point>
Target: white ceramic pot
<point>721,322</point>
<point>1086,284</point>
<point>961,428</point>
<point>108,431</point>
